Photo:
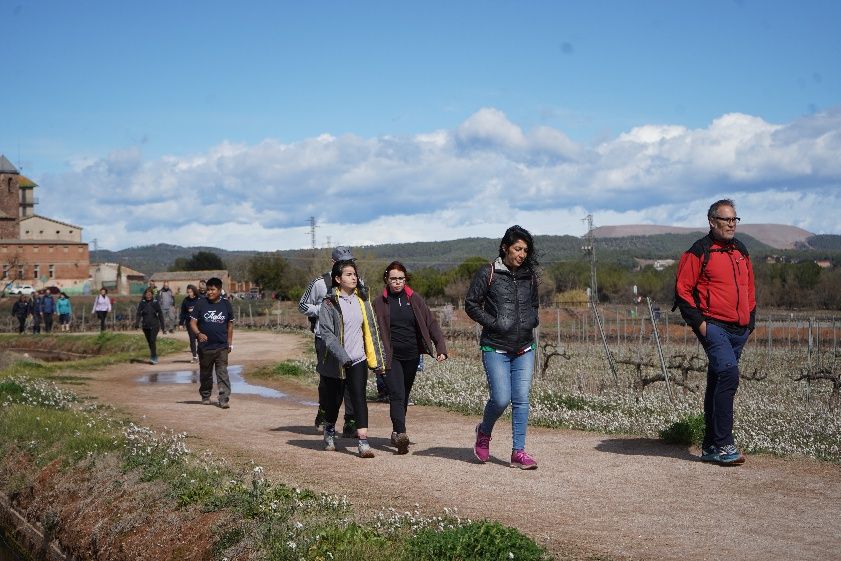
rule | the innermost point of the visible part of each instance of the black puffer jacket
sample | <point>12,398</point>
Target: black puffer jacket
<point>505,305</point>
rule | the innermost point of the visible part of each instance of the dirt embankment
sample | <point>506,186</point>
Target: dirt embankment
<point>624,497</point>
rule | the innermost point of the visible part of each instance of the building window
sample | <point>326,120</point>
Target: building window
<point>20,272</point>
<point>5,271</point>
<point>36,271</point>
<point>52,271</point>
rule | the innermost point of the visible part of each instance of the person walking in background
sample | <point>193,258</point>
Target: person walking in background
<point>310,305</point>
<point>101,307</point>
<point>212,322</point>
<point>187,305</point>
<point>36,313</point>
<point>150,316</point>
<point>352,344</point>
<point>64,311</point>
<point>166,299</point>
<point>47,310</point>
<point>21,310</point>
<point>715,292</point>
<point>407,329</point>
<point>503,299</point>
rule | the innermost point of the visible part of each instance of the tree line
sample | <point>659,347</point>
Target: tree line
<point>801,285</point>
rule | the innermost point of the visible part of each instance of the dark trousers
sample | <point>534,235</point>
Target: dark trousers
<point>101,315</point>
<point>193,341</point>
<point>36,323</point>
<point>723,350</point>
<point>152,341</point>
<point>210,360</point>
<point>21,324</point>
<point>400,380</point>
<point>320,349</point>
<point>48,322</point>
<point>355,383</point>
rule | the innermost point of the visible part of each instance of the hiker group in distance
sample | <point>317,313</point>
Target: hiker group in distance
<point>357,330</point>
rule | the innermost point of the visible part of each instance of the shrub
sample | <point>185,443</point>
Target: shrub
<point>479,541</point>
<point>687,431</point>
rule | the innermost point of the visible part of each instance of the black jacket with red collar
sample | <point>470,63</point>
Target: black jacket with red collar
<point>715,282</point>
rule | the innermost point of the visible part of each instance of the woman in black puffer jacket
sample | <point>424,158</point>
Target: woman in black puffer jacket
<point>503,299</point>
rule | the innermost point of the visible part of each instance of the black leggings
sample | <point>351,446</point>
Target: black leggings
<point>22,324</point>
<point>101,314</point>
<point>400,380</point>
<point>151,338</point>
<point>356,380</point>
<point>192,336</point>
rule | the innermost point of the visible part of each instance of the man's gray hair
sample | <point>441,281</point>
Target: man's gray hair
<point>713,212</point>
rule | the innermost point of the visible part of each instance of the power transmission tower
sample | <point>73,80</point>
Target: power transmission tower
<point>312,232</point>
<point>590,249</point>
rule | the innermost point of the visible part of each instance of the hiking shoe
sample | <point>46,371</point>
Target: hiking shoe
<point>709,453</point>
<point>730,455</point>
<point>330,440</point>
<point>205,401</point>
<point>195,359</point>
<point>365,450</point>
<point>402,443</point>
<point>394,438</point>
<point>224,404</point>
<point>382,398</point>
<point>482,448</point>
<point>520,459</point>
<point>153,360</point>
<point>349,429</point>
<point>319,419</point>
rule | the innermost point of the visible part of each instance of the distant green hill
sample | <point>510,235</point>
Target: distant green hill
<point>446,254</point>
<point>831,242</point>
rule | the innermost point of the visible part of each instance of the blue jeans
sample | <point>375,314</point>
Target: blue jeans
<point>509,380</point>
<point>723,350</point>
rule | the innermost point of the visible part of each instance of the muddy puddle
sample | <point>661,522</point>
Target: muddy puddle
<point>238,383</point>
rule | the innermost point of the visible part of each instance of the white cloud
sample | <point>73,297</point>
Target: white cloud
<point>474,180</point>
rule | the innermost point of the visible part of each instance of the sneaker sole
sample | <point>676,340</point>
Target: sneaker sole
<point>402,444</point>
<point>368,454</point>
<point>521,466</point>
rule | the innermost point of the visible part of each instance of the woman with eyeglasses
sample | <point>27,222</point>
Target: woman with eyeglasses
<point>503,299</point>
<point>408,329</point>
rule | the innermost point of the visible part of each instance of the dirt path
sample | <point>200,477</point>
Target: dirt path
<point>621,496</point>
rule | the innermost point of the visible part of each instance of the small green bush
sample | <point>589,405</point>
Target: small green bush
<point>287,368</point>
<point>687,431</point>
<point>477,541</point>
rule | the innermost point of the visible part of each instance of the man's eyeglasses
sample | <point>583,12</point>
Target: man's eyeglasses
<point>732,220</point>
<point>396,279</point>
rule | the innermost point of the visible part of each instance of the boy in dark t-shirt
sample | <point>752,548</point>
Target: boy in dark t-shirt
<point>212,321</point>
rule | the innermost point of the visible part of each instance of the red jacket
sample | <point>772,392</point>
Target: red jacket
<point>715,282</point>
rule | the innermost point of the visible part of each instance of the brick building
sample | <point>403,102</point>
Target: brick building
<point>35,249</point>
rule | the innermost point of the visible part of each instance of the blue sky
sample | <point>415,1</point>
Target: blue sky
<point>231,124</point>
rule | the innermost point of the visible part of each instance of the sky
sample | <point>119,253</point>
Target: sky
<point>231,124</point>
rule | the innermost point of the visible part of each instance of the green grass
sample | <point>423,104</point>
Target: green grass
<point>285,369</point>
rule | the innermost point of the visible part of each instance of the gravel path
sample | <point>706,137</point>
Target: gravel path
<point>623,497</point>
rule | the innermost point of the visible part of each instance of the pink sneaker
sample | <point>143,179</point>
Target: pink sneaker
<point>482,448</point>
<point>520,459</point>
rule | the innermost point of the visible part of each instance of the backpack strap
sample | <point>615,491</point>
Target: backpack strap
<point>491,275</point>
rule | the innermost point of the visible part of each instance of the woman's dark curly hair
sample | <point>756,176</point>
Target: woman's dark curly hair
<point>514,234</point>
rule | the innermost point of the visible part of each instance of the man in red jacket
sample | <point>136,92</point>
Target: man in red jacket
<point>716,296</point>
